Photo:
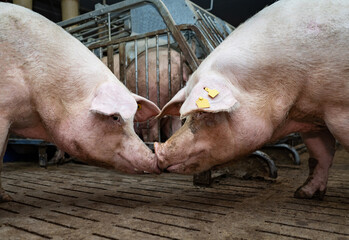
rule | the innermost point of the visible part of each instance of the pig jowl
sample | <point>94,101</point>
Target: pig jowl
<point>273,77</point>
<point>54,88</point>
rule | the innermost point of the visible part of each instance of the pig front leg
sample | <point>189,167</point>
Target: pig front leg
<point>321,147</point>
<point>4,197</point>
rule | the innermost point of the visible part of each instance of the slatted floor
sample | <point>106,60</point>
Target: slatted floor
<point>74,201</point>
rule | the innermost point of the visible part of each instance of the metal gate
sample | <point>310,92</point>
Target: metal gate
<point>152,46</point>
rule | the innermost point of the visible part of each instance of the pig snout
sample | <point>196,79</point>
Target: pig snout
<point>162,159</point>
<point>166,160</point>
<point>161,162</point>
<point>147,164</point>
<point>154,168</point>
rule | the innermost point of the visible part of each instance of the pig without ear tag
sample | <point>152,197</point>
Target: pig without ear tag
<point>211,92</point>
<point>202,103</point>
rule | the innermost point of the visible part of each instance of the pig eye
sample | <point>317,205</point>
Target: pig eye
<point>200,115</point>
<point>116,118</point>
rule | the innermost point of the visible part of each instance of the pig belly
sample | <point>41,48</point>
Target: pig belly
<point>36,132</point>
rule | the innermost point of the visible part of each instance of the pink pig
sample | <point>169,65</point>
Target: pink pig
<point>54,88</point>
<point>285,70</point>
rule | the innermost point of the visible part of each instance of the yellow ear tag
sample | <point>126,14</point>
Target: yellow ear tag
<point>139,106</point>
<point>211,92</point>
<point>202,103</point>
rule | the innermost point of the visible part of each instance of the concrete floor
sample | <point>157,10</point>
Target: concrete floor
<point>75,201</point>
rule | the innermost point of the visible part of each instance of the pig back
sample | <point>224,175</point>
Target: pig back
<point>292,46</point>
<point>52,73</point>
<point>174,77</point>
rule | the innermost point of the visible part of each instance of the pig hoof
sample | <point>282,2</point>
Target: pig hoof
<point>303,194</point>
<point>4,197</point>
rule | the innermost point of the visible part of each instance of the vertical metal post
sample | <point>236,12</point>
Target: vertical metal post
<point>147,76</point>
<point>110,58</point>
<point>158,80</point>
<point>169,66</point>
<point>136,65</point>
<point>122,65</point>
<point>181,69</point>
<point>110,49</point>
<point>109,27</point>
<point>42,156</point>
<point>169,76</point>
<point>100,51</point>
<point>146,67</point>
<point>136,71</point>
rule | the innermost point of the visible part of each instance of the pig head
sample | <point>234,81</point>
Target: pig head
<point>205,139</point>
<point>102,133</point>
<point>54,88</point>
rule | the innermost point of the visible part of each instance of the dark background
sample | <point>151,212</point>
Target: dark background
<point>232,11</point>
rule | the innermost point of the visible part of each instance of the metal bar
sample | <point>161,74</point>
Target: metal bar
<point>92,30</point>
<point>109,31</point>
<point>147,77</point>
<point>136,72</point>
<point>101,32</point>
<point>210,30</point>
<point>146,67</point>
<point>158,81</point>
<point>169,65</point>
<point>288,148</point>
<point>110,58</point>
<point>28,141</point>
<point>99,52</point>
<point>206,31</point>
<point>122,65</point>
<point>99,24</point>
<point>157,71</point>
<point>42,156</point>
<point>169,75</point>
<point>115,7</point>
<point>89,24</point>
<point>126,39</point>
<point>181,69</point>
<point>136,64</point>
<point>203,39</point>
<point>164,13</point>
<point>214,28</point>
<point>268,161</point>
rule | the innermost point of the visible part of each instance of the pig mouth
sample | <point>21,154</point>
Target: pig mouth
<point>188,166</point>
<point>173,168</point>
<point>129,167</point>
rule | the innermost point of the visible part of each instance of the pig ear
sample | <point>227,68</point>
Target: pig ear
<point>112,99</point>
<point>146,109</point>
<point>223,102</point>
<point>173,106</point>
